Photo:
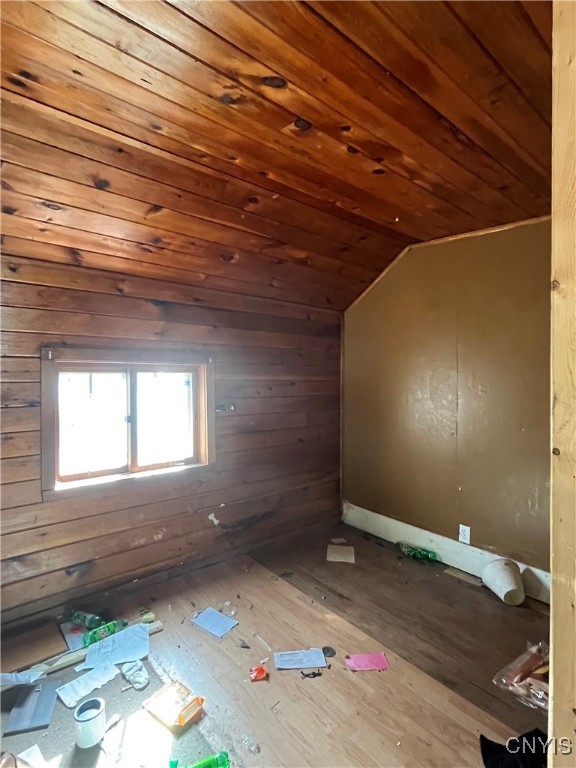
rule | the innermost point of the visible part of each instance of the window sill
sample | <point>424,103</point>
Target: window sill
<point>122,480</point>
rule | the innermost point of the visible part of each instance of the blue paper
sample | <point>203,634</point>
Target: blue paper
<point>304,659</point>
<point>214,622</point>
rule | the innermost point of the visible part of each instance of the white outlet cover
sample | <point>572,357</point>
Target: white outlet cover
<point>464,534</point>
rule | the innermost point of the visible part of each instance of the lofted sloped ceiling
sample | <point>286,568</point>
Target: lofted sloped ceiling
<point>285,150</point>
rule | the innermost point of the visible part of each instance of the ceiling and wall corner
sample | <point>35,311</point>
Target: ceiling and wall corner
<point>275,149</point>
<point>231,176</point>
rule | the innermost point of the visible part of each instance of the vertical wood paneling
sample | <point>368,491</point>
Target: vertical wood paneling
<point>563,491</point>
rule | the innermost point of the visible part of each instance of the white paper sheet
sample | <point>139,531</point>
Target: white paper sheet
<point>130,644</point>
<point>313,657</point>
<point>33,756</point>
<point>73,634</point>
<point>20,678</point>
<point>214,622</point>
<point>71,693</point>
<point>336,553</point>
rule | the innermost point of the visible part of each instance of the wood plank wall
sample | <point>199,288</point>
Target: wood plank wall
<point>277,451</point>
<point>229,177</point>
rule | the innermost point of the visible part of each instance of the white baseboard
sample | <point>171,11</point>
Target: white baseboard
<point>463,556</point>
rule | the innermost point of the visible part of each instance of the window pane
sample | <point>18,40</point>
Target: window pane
<point>165,417</point>
<point>92,414</point>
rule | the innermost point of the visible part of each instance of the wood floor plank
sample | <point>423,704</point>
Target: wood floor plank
<point>456,632</point>
<point>398,717</point>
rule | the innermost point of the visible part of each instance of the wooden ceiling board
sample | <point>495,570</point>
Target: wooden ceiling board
<point>540,14</point>
<point>197,40</point>
<point>30,119</point>
<point>360,185</point>
<point>372,94</point>
<point>531,74</point>
<point>313,187</point>
<point>468,90</point>
<point>285,151</point>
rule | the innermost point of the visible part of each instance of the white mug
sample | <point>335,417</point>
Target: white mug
<point>90,719</point>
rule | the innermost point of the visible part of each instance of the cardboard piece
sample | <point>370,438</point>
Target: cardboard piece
<point>33,708</point>
<point>174,705</point>
<point>336,553</point>
<point>24,650</point>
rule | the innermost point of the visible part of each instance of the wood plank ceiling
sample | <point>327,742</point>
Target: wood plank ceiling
<point>284,150</point>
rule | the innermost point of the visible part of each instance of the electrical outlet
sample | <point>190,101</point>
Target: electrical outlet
<point>464,534</point>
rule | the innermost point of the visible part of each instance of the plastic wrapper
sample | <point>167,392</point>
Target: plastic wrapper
<point>527,676</point>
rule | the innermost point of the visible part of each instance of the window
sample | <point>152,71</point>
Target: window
<point>112,414</point>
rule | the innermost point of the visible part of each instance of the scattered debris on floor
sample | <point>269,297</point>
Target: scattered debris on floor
<point>418,553</point>
<point>73,634</point>
<point>33,709</point>
<point>310,674</point>
<point>527,677</point>
<point>251,745</point>
<point>136,673</point>
<point>84,619</point>
<point>264,643</point>
<point>302,659</point>
<point>147,616</point>
<point>98,644</point>
<point>366,662</point>
<point>258,673</point>
<point>20,678</point>
<point>90,722</point>
<point>214,622</point>
<point>34,756</point>
<point>128,645</point>
<point>106,630</point>
<point>504,578</point>
<point>338,540</point>
<point>463,576</point>
<point>71,693</point>
<point>338,553</point>
<point>175,705</point>
<point>221,760</point>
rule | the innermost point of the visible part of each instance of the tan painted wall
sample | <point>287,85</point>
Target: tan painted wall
<point>446,391</point>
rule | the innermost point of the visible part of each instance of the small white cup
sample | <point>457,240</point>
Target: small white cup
<point>90,719</point>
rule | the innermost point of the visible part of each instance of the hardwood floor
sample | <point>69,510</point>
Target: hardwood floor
<point>444,639</point>
<point>458,633</point>
<point>401,717</point>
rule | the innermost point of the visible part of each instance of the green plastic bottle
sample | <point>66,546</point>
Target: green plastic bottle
<point>417,553</point>
<point>95,635</point>
<point>221,760</point>
<point>83,619</point>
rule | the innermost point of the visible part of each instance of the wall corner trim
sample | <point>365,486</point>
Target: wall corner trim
<point>463,556</point>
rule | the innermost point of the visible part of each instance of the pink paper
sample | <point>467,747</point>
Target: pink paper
<point>366,662</point>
